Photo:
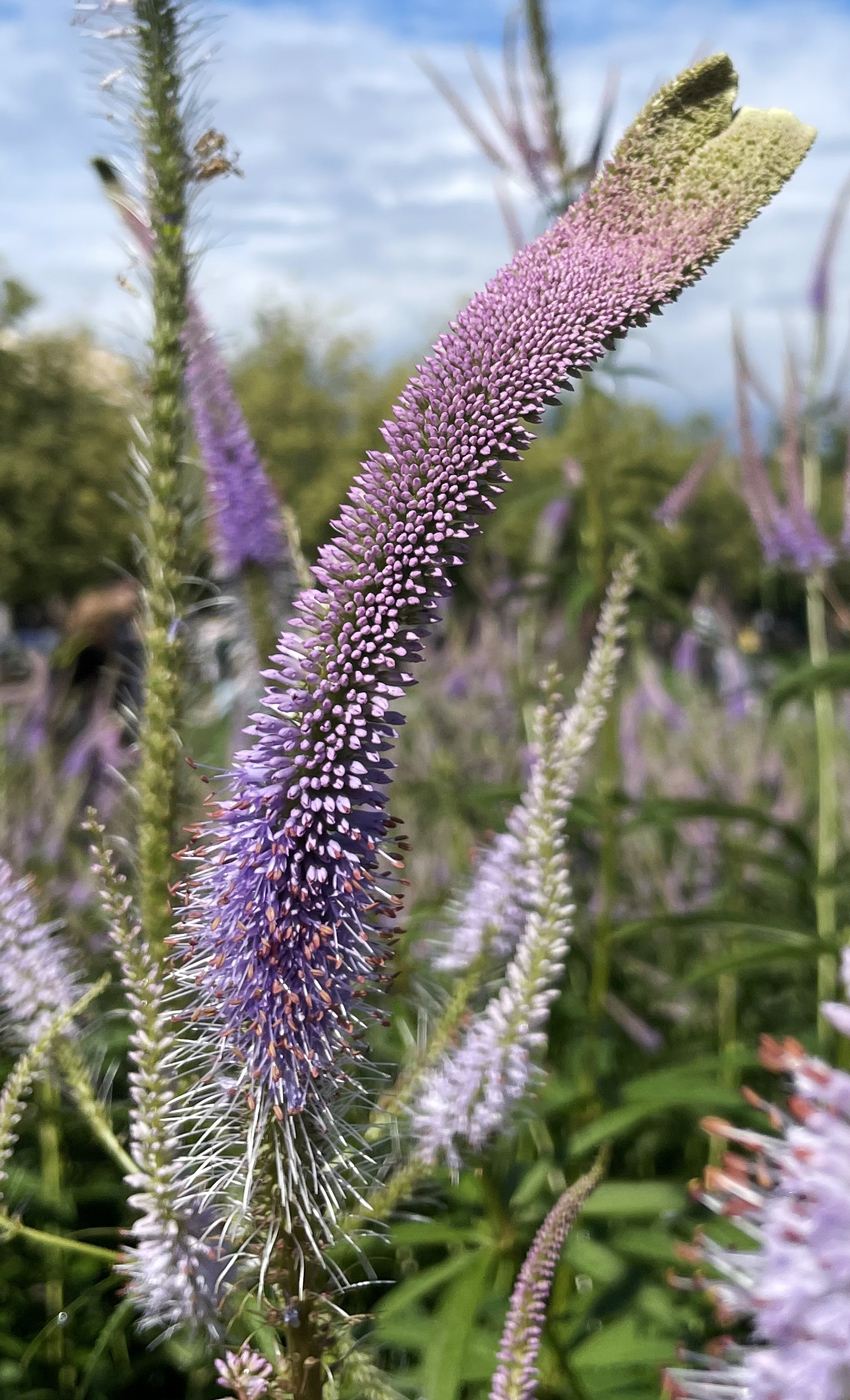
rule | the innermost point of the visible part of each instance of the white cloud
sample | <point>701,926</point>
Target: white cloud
<point>363,195</point>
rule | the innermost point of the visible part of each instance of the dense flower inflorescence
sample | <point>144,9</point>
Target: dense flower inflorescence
<point>245,1373</point>
<point>469,1092</point>
<point>792,1196</point>
<point>37,980</point>
<point>246,514</point>
<point>516,1373</point>
<point>282,916</point>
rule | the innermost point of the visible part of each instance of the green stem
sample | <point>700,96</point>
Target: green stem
<point>158,29</point>
<point>78,1078</point>
<point>258,590</point>
<point>50,1160</point>
<point>600,978</point>
<point>825,738</point>
<point>10,1228</point>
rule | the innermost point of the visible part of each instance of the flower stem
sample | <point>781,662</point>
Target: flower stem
<point>600,976</point>
<point>825,738</point>
<point>10,1228</point>
<point>159,35</point>
<point>50,1157</point>
<point>79,1081</point>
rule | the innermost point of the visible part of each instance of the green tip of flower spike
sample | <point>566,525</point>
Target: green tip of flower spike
<point>690,151</point>
<point>747,163</point>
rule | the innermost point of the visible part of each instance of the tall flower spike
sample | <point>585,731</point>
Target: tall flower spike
<point>37,980</point>
<point>516,1374</point>
<point>787,533</point>
<point>491,916</point>
<point>283,914</point>
<point>173,1272</point>
<point>246,514</point>
<point>791,1195</point>
<point>471,1090</point>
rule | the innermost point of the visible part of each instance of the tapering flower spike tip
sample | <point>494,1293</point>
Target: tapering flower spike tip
<point>516,1374</point>
<point>283,917</point>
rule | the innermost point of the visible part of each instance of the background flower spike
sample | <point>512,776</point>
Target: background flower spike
<point>516,1375</point>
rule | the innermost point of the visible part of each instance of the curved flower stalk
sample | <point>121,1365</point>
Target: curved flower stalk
<point>791,1195</point>
<point>286,911</point>
<point>173,1271</point>
<point>490,918</point>
<point>516,1374</point>
<point>37,978</point>
<point>469,1093</point>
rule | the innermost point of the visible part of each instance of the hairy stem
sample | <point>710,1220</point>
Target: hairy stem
<point>158,24</point>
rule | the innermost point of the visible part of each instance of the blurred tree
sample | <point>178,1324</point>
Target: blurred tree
<point>315,406</point>
<point>63,457</point>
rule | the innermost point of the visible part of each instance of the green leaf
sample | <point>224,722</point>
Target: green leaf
<point>833,674</point>
<point>453,1323</point>
<point>633,1200</point>
<point>622,1343</point>
<point>652,1245</point>
<point>419,1232</point>
<point>717,919</point>
<point>687,1095</point>
<point>423,1283</point>
<point>585,1255</point>
<point>754,957</point>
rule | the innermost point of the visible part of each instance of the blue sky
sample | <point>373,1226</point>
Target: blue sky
<point>364,200</point>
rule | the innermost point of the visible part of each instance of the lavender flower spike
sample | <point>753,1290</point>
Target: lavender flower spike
<point>491,916</point>
<point>248,525</point>
<point>284,915</point>
<point>470,1091</point>
<point>37,981</point>
<point>516,1375</point>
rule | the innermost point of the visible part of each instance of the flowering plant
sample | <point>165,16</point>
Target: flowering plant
<point>265,1145</point>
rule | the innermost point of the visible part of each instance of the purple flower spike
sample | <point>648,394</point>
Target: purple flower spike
<point>37,982</point>
<point>247,521</point>
<point>786,533</point>
<point>516,1374</point>
<point>676,503</point>
<point>283,917</point>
